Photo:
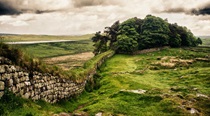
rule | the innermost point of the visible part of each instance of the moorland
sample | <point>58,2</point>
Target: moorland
<point>170,81</point>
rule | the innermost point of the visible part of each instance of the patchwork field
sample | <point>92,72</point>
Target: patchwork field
<point>66,55</point>
<point>49,50</point>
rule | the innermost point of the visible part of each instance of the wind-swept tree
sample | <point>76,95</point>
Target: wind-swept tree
<point>199,41</point>
<point>100,43</point>
<point>112,33</point>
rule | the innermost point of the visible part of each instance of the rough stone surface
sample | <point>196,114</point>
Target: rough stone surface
<point>64,114</point>
<point>10,82</point>
<point>99,114</point>
<point>1,85</point>
<point>37,87</point>
<point>40,86</point>
<point>5,61</point>
<point>202,95</point>
<point>139,91</point>
<point>2,69</point>
<point>193,111</point>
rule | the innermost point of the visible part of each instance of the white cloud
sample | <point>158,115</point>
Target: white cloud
<point>19,23</point>
<point>89,16</point>
<point>14,21</point>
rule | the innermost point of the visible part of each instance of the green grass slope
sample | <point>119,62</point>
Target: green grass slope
<point>170,90</point>
<point>47,50</point>
<point>176,81</point>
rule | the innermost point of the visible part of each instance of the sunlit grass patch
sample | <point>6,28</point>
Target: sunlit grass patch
<point>169,91</point>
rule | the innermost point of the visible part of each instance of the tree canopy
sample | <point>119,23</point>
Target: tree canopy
<point>137,34</point>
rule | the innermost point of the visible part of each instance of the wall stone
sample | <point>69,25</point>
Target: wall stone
<point>1,85</point>
<point>41,85</point>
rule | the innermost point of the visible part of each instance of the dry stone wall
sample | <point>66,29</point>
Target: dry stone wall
<point>38,85</point>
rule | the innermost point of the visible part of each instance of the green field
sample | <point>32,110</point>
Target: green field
<point>57,50</point>
<point>47,50</point>
<point>171,90</point>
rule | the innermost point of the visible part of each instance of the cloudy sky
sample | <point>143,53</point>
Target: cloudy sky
<point>75,17</point>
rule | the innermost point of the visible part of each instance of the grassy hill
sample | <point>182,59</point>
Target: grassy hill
<point>176,83</point>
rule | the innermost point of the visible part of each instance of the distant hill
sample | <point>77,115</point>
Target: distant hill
<point>204,37</point>
<point>205,41</point>
<point>5,34</point>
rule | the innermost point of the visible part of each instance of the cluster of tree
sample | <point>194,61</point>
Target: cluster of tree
<point>137,34</point>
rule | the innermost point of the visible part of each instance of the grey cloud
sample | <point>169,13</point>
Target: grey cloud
<point>175,10</point>
<point>200,10</point>
<point>7,9</point>
<point>41,11</point>
<point>84,3</point>
<point>204,10</point>
<point>16,7</point>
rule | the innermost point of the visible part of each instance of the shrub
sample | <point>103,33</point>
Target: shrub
<point>10,102</point>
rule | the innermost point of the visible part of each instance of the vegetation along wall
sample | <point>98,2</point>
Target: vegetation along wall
<point>42,85</point>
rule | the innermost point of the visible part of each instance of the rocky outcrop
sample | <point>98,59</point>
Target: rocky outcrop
<point>151,50</point>
<point>39,85</point>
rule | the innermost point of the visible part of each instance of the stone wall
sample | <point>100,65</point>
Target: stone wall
<point>38,85</point>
